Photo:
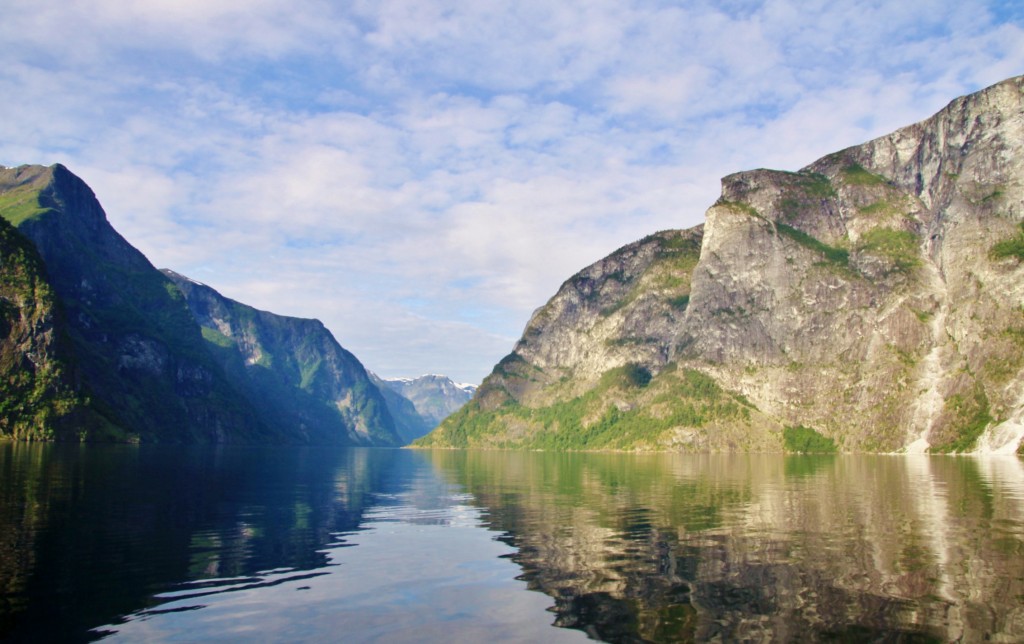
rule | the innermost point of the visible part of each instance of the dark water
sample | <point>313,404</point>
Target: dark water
<point>230,544</point>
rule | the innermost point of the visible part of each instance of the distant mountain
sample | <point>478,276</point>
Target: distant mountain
<point>409,424</point>
<point>99,345</point>
<point>869,302</point>
<point>291,370</point>
<point>434,397</point>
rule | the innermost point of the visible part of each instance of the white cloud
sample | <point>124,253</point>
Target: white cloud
<point>422,175</point>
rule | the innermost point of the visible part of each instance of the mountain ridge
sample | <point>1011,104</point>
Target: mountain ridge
<point>138,353</point>
<point>291,369</point>
<point>100,345</point>
<point>433,396</point>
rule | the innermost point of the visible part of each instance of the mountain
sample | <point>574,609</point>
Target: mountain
<point>291,370</point>
<point>97,344</point>
<point>39,397</point>
<point>434,397</point>
<point>409,424</point>
<point>871,301</point>
<point>139,357</point>
<point>736,547</point>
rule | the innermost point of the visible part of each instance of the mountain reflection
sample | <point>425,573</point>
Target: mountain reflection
<point>692,548</point>
<point>93,533</point>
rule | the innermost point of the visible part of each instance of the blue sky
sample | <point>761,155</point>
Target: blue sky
<point>421,175</point>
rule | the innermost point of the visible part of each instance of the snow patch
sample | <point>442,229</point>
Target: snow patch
<point>169,272</point>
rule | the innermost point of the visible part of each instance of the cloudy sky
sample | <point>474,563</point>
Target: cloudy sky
<point>422,174</point>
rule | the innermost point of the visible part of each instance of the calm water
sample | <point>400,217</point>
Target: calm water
<point>230,544</point>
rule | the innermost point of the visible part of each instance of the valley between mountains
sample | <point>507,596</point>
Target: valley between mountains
<point>872,301</point>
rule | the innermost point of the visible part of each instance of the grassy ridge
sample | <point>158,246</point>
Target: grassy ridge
<point>628,409</point>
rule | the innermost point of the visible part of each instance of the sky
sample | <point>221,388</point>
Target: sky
<point>421,175</point>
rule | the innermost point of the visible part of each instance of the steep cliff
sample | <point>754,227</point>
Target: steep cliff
<point>135,347</point>
<point>39,395</point>
<point>292,371</point>
<point>871,301</point>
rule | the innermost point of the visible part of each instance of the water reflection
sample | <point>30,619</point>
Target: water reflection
<point>129,543</point>
<point>90,534</point>
<point>158,544</point>
<point>684,548</point>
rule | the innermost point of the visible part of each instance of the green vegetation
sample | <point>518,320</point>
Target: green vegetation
<point>1004,355</point>
<point>970,416</point>
<point>803,194</point>
<point>856,175</point>
<point>1012,247</point>
<point>628,408</point>
<point>509,365</point>
<point>833,254</point>
<point>215,337</point>
<point>899,246</point>
<point>923,316</point>
<point>889,208</point>
<point>635,375</point>
<point>804,440</point>
<point>21,204</point>
<point>804,464</point>
<point>876,208</point>
<point>995,194</point>
<point>816,185</point>
<point>739,206</point>
<point>679,302</point>
<point>37,399</point>
<point>309,372</point>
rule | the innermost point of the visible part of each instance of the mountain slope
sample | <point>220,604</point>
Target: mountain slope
<point>871,302</point>
<point>292,371</point>
<point>135,345</point>
<point>39,397</point>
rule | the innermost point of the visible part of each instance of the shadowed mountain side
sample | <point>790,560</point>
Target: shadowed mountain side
<point>40,397</point>
<point>139,359</point>
<point>292,371</point>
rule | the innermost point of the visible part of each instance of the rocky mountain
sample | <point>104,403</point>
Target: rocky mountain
<point>99,345</point>
<point>434,397</point>
<point>409,424</point>
<point>291,370</point>
<point>871,301</point>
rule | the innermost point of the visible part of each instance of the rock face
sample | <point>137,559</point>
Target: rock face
<point>872,300</point>
<point>291,370</point>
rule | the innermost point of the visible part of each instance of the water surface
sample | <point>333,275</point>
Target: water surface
<point>240,544</point>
